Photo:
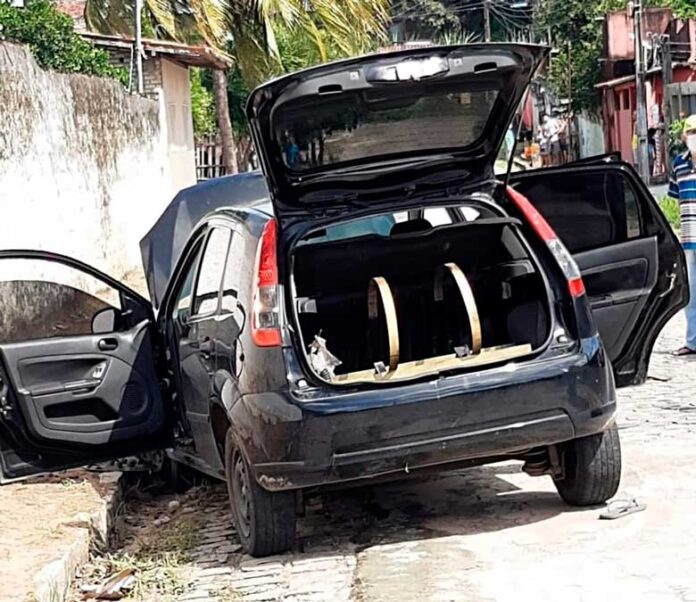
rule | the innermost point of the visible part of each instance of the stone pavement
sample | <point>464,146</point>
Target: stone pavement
<point>492,533</point>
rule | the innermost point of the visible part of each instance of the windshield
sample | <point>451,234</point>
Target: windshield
<point>378,123</point>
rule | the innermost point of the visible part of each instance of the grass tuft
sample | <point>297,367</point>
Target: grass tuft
<point>670,207</point>
<point>158,557</point>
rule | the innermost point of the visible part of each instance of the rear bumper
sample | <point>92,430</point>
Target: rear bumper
<point>293,446</point>
<point>402,457</point>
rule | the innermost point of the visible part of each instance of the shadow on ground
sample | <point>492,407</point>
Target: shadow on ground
<point>464,502</point>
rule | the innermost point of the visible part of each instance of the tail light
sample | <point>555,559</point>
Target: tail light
<point>265,320</point>
<point>565,260</point>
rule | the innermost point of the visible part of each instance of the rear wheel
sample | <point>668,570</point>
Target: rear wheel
<point>265,520</point>
<point>592,468</point>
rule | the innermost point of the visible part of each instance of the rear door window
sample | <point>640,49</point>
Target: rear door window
<point>587,210</point>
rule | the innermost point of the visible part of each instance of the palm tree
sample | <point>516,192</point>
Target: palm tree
<point>325,29</point>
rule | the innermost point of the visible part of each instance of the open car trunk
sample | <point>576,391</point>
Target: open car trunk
<point>418,300</point>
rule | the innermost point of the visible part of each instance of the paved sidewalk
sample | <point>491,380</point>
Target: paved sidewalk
<point>490,533</point>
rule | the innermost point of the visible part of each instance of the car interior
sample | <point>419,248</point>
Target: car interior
<point>491,290</point>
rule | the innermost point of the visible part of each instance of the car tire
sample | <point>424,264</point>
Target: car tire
<point>592,468</point>
<point>265,520</point>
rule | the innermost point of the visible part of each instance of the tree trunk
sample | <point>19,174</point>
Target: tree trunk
<point>222,111</point>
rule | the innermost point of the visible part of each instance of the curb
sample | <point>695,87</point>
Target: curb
<point>52,582</point>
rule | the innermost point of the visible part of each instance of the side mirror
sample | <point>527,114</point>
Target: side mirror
<point>104,321</point>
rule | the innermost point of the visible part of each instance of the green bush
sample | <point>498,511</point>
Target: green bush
<point>52,39</point>
<point>674,137</point>
<point>202,105</point>
<point>670,207</point>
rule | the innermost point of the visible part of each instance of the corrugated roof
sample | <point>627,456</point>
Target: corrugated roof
<point>197,56</point>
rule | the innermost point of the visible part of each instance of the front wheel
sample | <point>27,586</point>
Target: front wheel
<point>591,467</point>
<point>265,520</point>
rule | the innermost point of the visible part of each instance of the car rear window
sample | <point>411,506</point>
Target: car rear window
<point>379,123</point>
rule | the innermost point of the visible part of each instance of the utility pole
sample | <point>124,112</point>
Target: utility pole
<point>641,110</point>
<point>487,20</point>
<point>666,97</point>
<point>139,46</point>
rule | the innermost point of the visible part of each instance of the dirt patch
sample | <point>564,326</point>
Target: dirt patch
<point>38,522</point>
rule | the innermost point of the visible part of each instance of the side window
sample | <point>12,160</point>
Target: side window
<point>232,279</point>
<point>587,210</point>
<point>205,300</point>
<point>184,300</point>
<point>42,299</point>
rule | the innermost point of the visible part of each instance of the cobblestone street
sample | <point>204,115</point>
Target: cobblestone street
<point>491,533</point>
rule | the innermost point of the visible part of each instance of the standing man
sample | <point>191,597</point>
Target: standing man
<point>682,187</point>
<point>551,129</point>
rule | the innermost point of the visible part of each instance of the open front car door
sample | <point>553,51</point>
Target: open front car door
<point>78,378</point>
<point>631,261</point>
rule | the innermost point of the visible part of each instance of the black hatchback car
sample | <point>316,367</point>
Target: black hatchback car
<point>378,305</point>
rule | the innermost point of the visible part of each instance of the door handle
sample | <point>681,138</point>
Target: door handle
<point>81,385</point>
<point>108,344</point>
<point>672,283</point>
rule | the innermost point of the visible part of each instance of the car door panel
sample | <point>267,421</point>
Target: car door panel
<point>76,387</point>
<point>70,387</point>
<point>618,282</point>
<point>631,262</point>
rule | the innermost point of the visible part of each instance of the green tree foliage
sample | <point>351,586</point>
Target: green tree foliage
<point>202,105</point>
<point>683,9</point>
<point>576,30</point>
<point>429,18</point>
<point>52,39</point>
<point>237,96</point>
<point>580,23</point>
<point>322,29</point>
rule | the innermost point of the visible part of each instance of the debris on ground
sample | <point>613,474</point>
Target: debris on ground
<point>620,508</point>
<point>114,588</point>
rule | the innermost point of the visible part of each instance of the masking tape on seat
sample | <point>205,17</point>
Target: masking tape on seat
<point>467,296</point>
<point>377,290</point>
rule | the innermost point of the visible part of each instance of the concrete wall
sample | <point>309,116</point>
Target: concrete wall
<point>619,42</point>
<point>590,135</point>
<point>83,165</point>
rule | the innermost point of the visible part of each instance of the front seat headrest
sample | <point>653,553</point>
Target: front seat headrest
<point>410,226</point>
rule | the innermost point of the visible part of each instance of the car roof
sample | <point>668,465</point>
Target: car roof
<point>161,247</point>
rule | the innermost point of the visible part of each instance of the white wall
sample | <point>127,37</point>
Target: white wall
<point>176,96</point>
<point>83,166</point>
<point>591,135</point>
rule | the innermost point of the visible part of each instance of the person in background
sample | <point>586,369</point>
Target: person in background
<point>552,130</point>
<point>543,145</point>
<point>682,186</point>
<point>652,152</point>
<point>563,141</point>
<point>509,142</point>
